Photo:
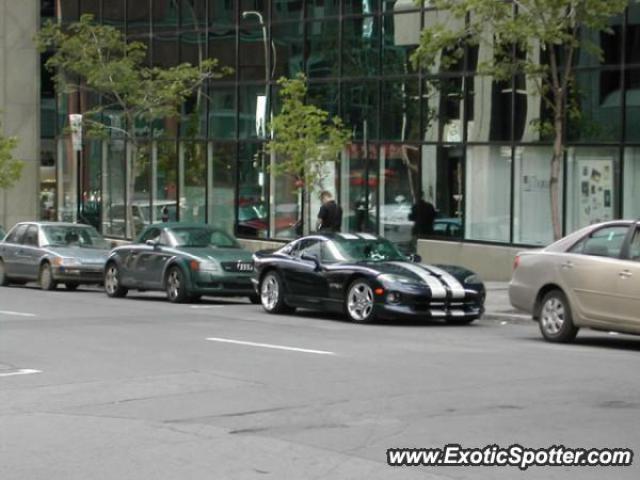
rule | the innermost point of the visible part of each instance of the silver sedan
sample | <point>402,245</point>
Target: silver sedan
<point>52,253</point>
<point>590,278</point>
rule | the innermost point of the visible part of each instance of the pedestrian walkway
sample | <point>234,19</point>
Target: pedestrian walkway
<point>497,305</point>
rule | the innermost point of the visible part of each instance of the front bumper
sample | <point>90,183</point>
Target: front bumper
<point>418,304</point>
<point>79,274</point>
<point>222,285</point>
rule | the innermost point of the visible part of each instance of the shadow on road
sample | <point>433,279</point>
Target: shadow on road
<point>611,342</point>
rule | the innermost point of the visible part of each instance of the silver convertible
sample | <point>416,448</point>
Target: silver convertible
<point>590,278</point>
<point>52,253</point>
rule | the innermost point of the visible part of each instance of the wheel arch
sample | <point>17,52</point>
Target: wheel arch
<point>181,264</point>
<point>272,268</point>
<point>537,305</point>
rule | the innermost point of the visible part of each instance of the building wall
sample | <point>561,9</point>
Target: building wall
<point>19,87</point>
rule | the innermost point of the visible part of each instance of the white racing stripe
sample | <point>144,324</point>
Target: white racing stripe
<point>457,289</point>
<point>24,371</point>
<point>16,314</point>
<point>268,345</point>
<point>437,289</point>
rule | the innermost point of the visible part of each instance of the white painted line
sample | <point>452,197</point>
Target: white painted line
<point>24,371</point>
<point>205,307</point>
<point>508,315</point>
<point>268,345</point>
<point>16,314</point>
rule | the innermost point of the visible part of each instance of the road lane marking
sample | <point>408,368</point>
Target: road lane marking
<point>268,345</point>
<point>17,314</point>
<point>205,307</point>
<point>23,371</point>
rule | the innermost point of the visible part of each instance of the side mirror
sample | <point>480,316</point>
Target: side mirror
<point>152,243</point>
<point>415,258</point>
<point>311,258</point>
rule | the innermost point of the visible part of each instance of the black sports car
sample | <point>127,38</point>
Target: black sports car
<point>366,277</point>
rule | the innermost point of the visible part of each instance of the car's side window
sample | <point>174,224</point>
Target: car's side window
<point>605,242</point>
<point>298,248</point>
<point>310,247</point>
<point>15,236</point>
<point>634,247</point>
<point>31,237</point>
<point>151,234</point>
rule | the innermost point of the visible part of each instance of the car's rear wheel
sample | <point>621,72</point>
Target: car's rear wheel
<point>359,303</point>
<point>4,280</point>
<point>175,286</point>
<point>556,320</point>
<point>272,294</point>
<point>46,280</point>
<point>71,286</point>
<point>112,284</point>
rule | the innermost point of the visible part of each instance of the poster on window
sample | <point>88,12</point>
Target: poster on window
<point>595,191</point>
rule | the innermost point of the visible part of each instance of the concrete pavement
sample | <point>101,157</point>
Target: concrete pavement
<point>133,389</point>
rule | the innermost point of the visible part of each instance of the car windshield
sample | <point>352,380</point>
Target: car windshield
<point>357,249</point>
<point>73,236</point>
<point>202,237</point>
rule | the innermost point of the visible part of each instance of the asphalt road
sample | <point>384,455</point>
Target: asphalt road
<point>132,389</point>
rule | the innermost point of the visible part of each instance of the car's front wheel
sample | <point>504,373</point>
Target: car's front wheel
<point>112,284</point>
<point>272,294</point>
<point>4,280</point>
<point>556,320</point>
<point>46,280</point>
<point>175,286</point>
<point>359,303</point>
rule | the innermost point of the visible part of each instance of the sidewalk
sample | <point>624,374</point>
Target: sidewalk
<point>498,307</point>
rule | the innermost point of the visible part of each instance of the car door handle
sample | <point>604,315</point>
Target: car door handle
<point>567,265</point>
<point>626,274</point>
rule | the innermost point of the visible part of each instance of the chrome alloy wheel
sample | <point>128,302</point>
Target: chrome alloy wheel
<point>553,315</point>
<point>111,281</point>
<point>360,302</point>
<point>270,292</point>
<point>174,284</point>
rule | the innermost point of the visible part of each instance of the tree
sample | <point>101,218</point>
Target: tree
<point>304,136</point>
<point>10,167</point>
<point>538,39</point>
<point>97,59</point>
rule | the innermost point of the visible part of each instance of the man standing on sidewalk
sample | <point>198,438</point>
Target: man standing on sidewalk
<point>330,214</point>
<point>422,215</point>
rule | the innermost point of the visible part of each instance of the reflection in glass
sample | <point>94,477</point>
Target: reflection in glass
<point>488,193</point>
<point>631,186</point>
<point>360,105</point>
<point>401,107</point>
<point>193,176</point>
<point>113,194</point>
<point>323,49</point>
<point>401,35</point>
<point>359,189</point>
<point>165,182</point>
<point>253,219</point>
<point>532,196</point>
<point>288,45</point>
<point>222,182</point>
<point>360,46</point>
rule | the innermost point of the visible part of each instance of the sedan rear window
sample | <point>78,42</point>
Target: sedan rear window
<point>606,242</point>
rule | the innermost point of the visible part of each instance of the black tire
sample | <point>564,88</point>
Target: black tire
<point>71,286</point>
<point>112,285</point>
<point>255,299</point>
<point>4,280</point>
<point>175,285</point>
<point>272,294</point>
<point>359,303</point>
<point>556,319</point>
<point>45,279</point>
<point>195,298</point>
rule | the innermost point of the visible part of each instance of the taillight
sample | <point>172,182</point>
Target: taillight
<point>516,262</point>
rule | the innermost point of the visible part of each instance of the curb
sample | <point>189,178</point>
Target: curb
<point>508,317</point>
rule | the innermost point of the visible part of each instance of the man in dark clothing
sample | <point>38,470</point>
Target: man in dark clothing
<point>330,214</point>
<point>422,215</point>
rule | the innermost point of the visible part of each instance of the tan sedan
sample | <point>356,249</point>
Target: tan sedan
<point>590,279</point>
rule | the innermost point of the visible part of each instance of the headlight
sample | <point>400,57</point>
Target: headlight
<point>209,266</point>
<point>473,278</point>
<point>66,262</point>
<point>391,278</point>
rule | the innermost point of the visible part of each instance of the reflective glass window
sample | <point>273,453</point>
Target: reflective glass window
<point>360,46</point>
<point>323,48</point>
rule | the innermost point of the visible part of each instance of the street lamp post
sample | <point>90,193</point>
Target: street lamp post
<point>267,77</point>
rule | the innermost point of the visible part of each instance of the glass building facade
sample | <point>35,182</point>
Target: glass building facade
<point>470,145</point>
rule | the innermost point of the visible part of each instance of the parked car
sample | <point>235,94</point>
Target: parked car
<point>590,278</point>
<point>185,260</point>
<point>365,277</point>
<point>447,227</point>
<point>2,232</point>
<point>52,253</point>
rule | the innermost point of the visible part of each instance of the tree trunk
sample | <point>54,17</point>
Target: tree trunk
<point>556,165</point>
